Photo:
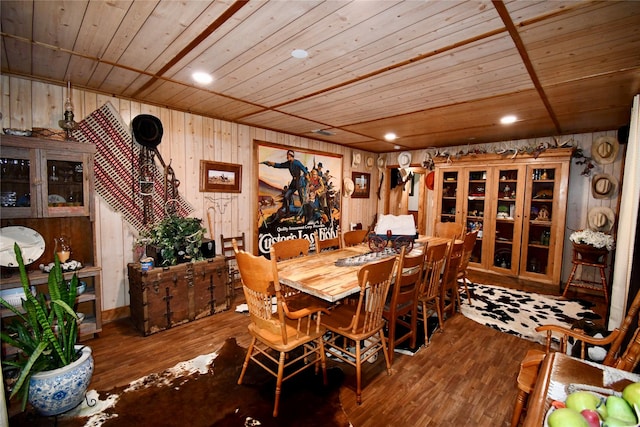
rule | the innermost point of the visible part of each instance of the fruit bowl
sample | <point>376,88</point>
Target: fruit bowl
<point>602,408</point>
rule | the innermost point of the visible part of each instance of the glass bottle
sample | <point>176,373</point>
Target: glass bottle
<point>62,248</point>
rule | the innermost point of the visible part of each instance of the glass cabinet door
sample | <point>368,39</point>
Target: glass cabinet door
<point>476,192</point>
<point>17,183</point>
<point>508,222</point>
<point>449,203</point>
<point>66,190</point>
<point>539,215</point>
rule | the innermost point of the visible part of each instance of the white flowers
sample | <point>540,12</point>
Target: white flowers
<point>597,239</point>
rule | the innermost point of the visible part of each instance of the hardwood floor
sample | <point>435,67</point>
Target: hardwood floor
<point>466,376</point>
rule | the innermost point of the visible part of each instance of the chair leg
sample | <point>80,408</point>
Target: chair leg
<point>392,338</point>
<point>466,288</point>
<point>571,276</point>
<point>323,360</point>
<point>414,326</point>
<point>424,323</point>
<point>440,313</point>
<point>517,410</point>
<point>279,382</point>
<point>246,359</point>
<point>359,373</point>
<point>385,352</point>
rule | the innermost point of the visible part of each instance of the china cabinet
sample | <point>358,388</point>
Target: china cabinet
<point>518,205</point>
<point>47,186</point>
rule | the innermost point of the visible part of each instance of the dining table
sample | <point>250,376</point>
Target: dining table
<point>560,374</point>
<point>333,275</point>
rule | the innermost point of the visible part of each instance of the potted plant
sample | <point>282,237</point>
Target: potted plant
<point>175,239</point>
<point>52,371</point>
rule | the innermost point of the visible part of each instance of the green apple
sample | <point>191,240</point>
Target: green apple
<point>631,394</point>
<point>618,408</point>
<point>566,417</point>
<point>581,400</point>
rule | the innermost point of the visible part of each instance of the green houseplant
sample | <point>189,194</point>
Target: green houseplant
<point>46,333</point>
<point>175,238</point>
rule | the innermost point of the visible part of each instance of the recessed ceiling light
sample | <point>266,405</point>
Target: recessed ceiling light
<point>299,53</point>
<point>390,136</point>
<point>396,147</point>
<point>202,77</point>
<point>507,120</point>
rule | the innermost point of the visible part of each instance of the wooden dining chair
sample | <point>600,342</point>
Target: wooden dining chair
<point>278,329</point>
<point>626,360</point>
<point>401,308</point>
<point>361,324</point>
<point>233,275</point>
<point>450,295</point>
<point>467,250</point>
<point>292,248</point>
<point>322,245</point>
<point>355,237</point>
<point>449,230</point>
<point>430,291</point>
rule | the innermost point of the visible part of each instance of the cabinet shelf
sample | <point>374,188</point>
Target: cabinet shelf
<point>541,223</point>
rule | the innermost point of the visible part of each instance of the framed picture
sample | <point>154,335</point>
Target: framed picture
<point>362,182</point>
<point>220,177</point>
<point>299,194</point>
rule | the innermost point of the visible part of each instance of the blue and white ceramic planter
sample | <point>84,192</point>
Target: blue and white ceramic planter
<point>57,391</point>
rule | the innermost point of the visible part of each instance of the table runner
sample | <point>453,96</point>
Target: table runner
<point>116,168</point>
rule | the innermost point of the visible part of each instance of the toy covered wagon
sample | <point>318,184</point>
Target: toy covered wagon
<point>395,231</point>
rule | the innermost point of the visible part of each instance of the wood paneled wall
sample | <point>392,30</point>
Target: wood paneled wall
<point>188,138</point>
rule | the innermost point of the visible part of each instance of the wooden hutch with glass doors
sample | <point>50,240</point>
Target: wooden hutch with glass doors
<point>47,186</point>
<point>518,205</point>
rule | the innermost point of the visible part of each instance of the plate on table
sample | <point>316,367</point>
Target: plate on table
<point>30,241</point>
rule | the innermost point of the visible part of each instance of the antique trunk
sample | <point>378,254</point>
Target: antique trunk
<point>162,298</point>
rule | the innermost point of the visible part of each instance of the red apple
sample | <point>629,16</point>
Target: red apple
<point>592,417</point>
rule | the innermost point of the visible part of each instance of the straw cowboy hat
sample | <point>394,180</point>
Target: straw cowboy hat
<point>604,186</point>
<point>369,162</point>
<point>604,150</point>
<point>355,160</point>
<point>404,159</point>
<point>601,218</point>
<point>381,163</point>
<point>349,187</point>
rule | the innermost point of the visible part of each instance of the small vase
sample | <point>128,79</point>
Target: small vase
<point>60,390</point>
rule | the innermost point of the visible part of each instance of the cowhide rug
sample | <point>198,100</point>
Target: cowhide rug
<point>204,392</point>
<point>519,313</point>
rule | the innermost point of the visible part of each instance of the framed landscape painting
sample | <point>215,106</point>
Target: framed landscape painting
<point>220,177</point>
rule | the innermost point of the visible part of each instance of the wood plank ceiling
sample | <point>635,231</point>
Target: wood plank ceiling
<point>437,73</point>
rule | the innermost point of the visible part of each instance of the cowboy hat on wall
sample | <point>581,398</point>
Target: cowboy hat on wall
<point>604,186</point>
<point>348,187</point>
<point>604,150</point>
<point>601,218</point>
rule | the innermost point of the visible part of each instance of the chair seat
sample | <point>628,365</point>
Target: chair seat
<point>342,315</point>
<point>295,337</point>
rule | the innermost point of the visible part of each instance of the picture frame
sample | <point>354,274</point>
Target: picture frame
<point>362,182</point>
<point>220,177</point>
